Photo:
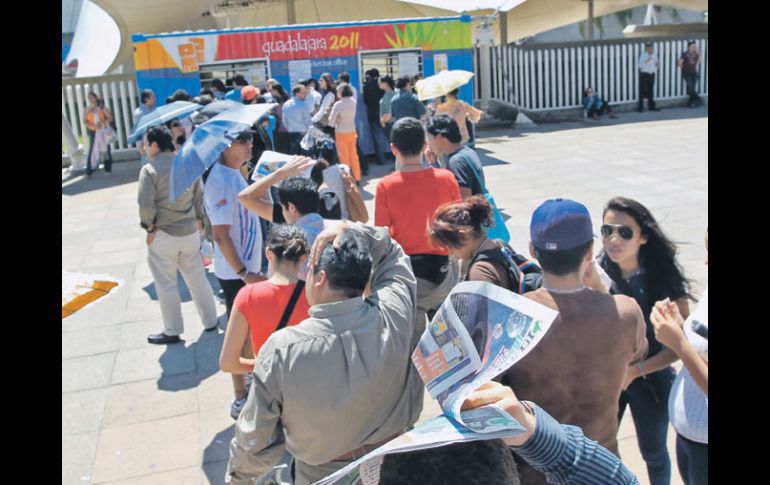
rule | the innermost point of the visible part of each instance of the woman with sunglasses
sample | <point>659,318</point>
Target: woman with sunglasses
<point>641,261</point>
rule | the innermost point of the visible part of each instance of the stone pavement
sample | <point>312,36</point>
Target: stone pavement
<point>133,413</point>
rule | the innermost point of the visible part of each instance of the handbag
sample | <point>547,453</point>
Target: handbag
<point>498,230</point>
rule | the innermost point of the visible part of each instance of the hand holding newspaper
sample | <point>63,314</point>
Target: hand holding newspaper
<point>271,161</point>
<point>479,331</point>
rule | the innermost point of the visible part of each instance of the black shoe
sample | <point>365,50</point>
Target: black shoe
<point>654,109</point>
<point>162,338</point>
<point>641,110</point>
<point>212,328</point>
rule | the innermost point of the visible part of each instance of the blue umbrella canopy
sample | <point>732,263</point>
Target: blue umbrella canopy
<point>208,142</point>
<point>159,116</point>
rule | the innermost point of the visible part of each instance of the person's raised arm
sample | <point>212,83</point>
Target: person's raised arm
<point>668,323</point>
<point>562,452</point>
<point>256,197</point>
<point>393,285</point>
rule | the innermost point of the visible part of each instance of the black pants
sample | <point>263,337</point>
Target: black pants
<point>598,112</point>
<point>107,161</point>
<point>230,288</point>
<point>281,141</point>
<point>646,83</point>
<point>691,79</point>
<point>294,144</point>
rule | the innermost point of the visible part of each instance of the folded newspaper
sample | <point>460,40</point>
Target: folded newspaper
<point>479,331</point>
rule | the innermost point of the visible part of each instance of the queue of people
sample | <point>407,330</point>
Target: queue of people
<point>335,318</point>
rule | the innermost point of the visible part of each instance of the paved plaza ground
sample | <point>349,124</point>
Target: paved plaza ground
<point>133,413</point>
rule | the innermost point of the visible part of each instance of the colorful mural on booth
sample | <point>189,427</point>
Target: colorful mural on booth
<point>166,62</point>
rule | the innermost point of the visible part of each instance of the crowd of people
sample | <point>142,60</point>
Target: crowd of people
<point>325,310</point>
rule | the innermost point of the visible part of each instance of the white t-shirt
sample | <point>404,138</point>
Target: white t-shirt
<point>220,198</point>
<point>688,406</point>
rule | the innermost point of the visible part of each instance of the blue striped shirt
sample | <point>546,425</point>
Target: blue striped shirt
<point>567,456</point>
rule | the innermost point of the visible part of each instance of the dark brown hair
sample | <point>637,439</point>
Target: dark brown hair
<point>455,222</point>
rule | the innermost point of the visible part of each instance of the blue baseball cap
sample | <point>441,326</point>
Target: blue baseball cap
<point>560,224</point>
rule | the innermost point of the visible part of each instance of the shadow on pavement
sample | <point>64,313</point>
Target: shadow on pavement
<point>186,367</point>
<point>492,135</point>
<point>122,173</point>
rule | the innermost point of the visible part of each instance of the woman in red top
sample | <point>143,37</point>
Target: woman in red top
<point>258,308</point>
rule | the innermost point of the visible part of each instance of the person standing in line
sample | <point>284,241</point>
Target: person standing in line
<point>344,77</point>
<point>172,239</point>
<point>343,120</point>
<point>585,355</point>
<point>312,96</point>
<point>688,403</point>
<point>281,133</point>
<point>648,66</point>
<point>405,201</point>
<point>388,86</point>
<point>315,383</point>
<point>405,104</point>
<point>147,103</point>
<point>239,82</point>
<point>237,237</point>
<point>219,89</point>
<point>372,96</point>
<point>445,141</point>
<point>641,262</point>
<point>261,308</point>
<point>688,62</point>
<point>296,118</point>
<point>329,97</point>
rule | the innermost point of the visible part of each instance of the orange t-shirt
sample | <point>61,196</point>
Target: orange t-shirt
<point>263,304</point>
<point>406,203</point>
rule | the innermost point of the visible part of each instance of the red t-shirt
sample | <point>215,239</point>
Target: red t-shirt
<point>263,304</point>
<point>406,203</point>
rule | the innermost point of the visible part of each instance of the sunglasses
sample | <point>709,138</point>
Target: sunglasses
<point>626,232</point>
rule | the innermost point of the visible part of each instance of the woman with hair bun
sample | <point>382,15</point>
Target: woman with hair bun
<point>264,307</point>
<point>460,227</point>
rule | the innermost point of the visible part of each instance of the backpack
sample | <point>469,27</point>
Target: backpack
<point>523,274</point>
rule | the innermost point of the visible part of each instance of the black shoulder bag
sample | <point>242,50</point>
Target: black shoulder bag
<point>290,306</point>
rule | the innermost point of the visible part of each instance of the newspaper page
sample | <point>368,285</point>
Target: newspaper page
<point>433,433</point>
<point>479,331</point>
<point>271,161</point>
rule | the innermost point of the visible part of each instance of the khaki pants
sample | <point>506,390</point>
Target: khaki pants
<point>167,254</point>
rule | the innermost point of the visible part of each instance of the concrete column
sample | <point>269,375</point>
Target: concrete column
<point>291,13</point>
<point>503,28</point>
<point>75,151</point>
<point>590,19</point>
<point>485,68</point>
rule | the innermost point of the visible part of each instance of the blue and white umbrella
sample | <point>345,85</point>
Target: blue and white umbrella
<point>208,142</point>
<point>159,116</point>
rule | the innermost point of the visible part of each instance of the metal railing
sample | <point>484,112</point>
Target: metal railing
<point>553,76</point>
<point>119,94</point>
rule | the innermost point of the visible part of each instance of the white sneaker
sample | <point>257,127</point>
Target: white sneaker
<point>236,406</point>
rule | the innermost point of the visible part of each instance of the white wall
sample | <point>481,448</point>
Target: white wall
<point>612,26</point>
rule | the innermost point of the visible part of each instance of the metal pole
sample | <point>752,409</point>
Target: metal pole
<point>590,19</point>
